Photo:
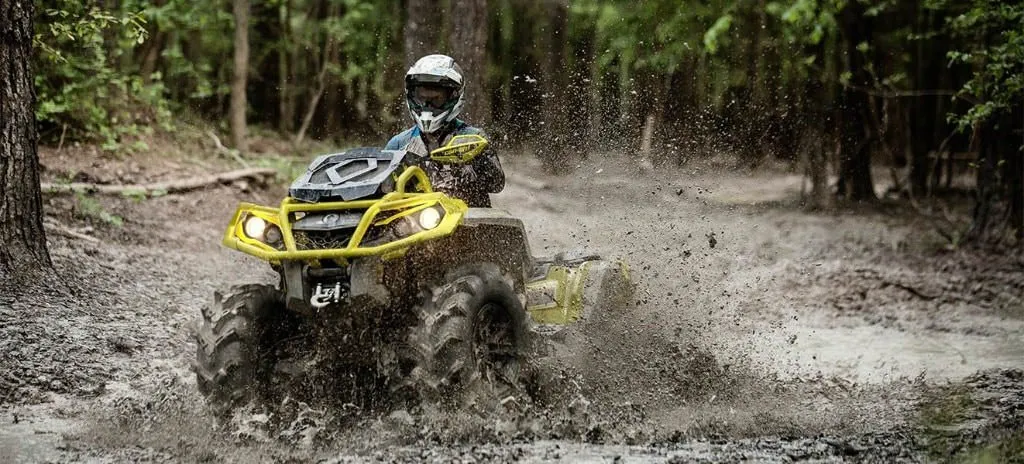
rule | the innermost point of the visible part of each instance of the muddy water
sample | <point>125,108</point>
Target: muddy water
<point>876,355</point>
<point>747,327</point>
<point>34,434</point>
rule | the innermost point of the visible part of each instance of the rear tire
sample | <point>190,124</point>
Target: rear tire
<point>237,347</point>
<point>471,339</point>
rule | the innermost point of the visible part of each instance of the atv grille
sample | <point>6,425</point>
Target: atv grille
<point>322,240</point>
<point>332,239</point>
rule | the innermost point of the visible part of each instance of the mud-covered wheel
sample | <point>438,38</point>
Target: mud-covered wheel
<point>238,341</point>
<point>471,339</point>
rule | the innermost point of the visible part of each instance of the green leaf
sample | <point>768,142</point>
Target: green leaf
<point>715,35</point>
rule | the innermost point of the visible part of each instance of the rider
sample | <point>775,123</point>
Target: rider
<point>434,91</point>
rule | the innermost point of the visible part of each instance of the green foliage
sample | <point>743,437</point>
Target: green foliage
<point>624,39</point>
<point>89,208</point>
<point>358,29</point>
<point>993,44</point>
<point>805,26</point>
<point>623,30</point>
<point>197,43</point>
<point>111,71</point>
<point>717,33</point>
<point>82,91</point>
<point>74,22</point>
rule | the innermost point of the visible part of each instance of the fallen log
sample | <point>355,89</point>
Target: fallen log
<point>160,188</point>
<point>61,229</point>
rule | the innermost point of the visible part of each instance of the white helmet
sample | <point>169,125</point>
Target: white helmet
<point>434,92</point>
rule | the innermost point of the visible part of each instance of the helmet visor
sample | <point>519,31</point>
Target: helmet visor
<point>432,97</point>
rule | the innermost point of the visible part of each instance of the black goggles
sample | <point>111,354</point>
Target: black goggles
<point>435,97</point>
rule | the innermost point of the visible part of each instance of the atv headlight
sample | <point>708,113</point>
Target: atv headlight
<point>273,236</point>
<point>406,227</point>
<point>254,227</point>
<point>430,218</point>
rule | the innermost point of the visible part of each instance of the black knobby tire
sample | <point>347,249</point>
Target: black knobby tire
<point>236,346</point>
<point>470,341</point>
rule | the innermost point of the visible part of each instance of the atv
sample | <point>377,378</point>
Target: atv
<point>383,279</point>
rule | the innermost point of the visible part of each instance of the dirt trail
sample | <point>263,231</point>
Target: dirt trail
<point>759,331</point>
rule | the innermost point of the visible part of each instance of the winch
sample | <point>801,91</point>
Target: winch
<point>326,294</point>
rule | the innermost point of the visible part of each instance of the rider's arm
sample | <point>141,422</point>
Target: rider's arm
<point>395,143</point>
<point>489,177</point>
<point>400,141</point>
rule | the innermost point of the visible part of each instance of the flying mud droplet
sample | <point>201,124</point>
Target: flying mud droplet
<point>712,241</point>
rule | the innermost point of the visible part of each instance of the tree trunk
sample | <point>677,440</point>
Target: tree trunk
<point>421,29</point>
<point>680,110</point>
<point>153,48</point>
<point>1016,176</point>
<point>553,147</point>
<point>285,66</point>
<point>813,140</point>
<point>241,72</point>
<point>855,181</point>
<point>609,104</point>
<point>468,41</point>
<point>318,91</point>
<point>152,56</point>
<point>855,156</point>
<point>500,51</point>
<point>999,202</point>
<point>581,91</point>
<point>526,60</point>
<point>22,240</point>
<point>923,108</point>
<point>1014,173</point>
<point>982,141</point>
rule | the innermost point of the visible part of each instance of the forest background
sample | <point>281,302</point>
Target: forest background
<point>833,86</point>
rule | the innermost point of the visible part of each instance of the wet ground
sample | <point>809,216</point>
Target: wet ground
<point>759,332</point>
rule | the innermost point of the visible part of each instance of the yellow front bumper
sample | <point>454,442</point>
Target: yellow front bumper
<point>378,213</point>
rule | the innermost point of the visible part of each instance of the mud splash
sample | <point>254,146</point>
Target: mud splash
<point>746,349</point>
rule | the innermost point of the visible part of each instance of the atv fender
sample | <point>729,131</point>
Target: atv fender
<point>485,235</point>
<point>568,292</point>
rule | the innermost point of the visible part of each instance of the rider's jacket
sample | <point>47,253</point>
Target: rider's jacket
<point>468,182</point>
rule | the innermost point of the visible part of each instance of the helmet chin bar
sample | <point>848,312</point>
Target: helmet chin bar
<point>429,123</point>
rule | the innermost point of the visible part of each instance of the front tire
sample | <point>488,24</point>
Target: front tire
<point>237,347</point>
<point>471,339</point>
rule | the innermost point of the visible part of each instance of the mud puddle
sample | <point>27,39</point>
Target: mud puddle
<point>738,346</point>
<point>35,434</point>
<point>884,354</point>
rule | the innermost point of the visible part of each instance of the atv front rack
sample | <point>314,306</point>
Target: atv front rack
<point>383,212</point>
